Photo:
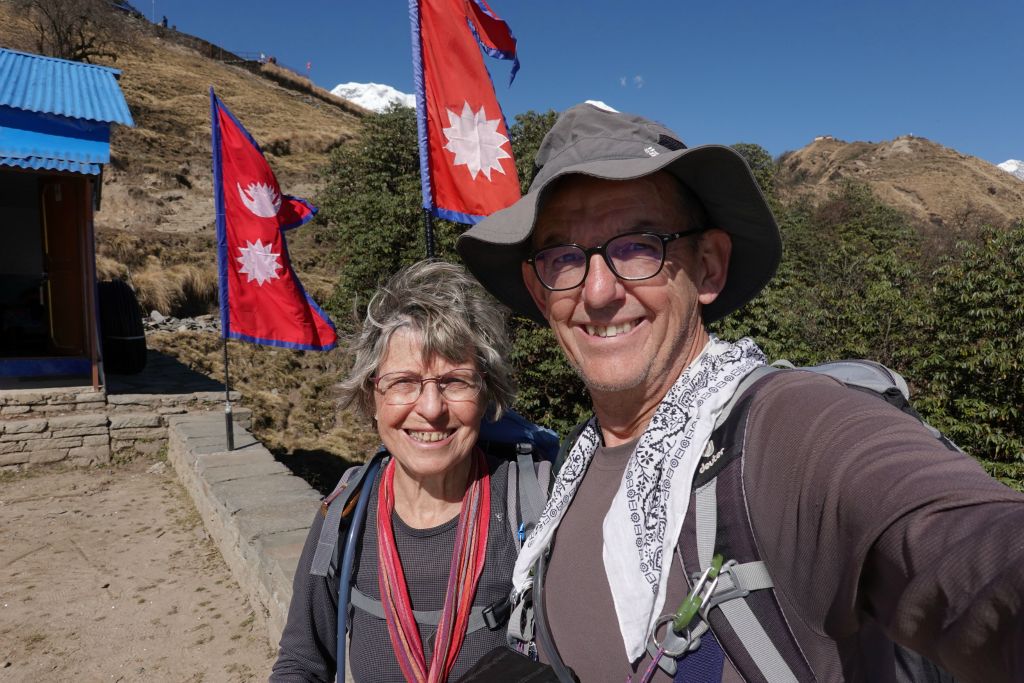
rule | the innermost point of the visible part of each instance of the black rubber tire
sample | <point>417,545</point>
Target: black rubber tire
<point>122,337</point>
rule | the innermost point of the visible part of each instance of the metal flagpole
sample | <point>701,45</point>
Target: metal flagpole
<point>428,227</point>
<point>229,424</point>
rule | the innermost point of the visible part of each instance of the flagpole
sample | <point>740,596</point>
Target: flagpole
<point>229,424</point>
<point>428,228</point>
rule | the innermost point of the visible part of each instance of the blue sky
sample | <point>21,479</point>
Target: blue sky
<point>776,73</point>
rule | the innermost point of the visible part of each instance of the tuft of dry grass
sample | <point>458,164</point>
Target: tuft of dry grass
<point>108,268</point>
<point>180,290</point>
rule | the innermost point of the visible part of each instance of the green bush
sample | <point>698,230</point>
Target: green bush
<point>974,371</point>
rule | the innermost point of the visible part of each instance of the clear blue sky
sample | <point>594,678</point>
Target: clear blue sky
<point>774,72</point>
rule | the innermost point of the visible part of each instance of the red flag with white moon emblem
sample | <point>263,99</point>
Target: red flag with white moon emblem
<point>466,165</point>
<point>261,299</point>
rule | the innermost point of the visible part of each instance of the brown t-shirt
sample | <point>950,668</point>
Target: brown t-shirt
<point>862,517</point>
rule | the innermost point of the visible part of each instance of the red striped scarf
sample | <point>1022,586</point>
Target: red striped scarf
<point>467,565</point>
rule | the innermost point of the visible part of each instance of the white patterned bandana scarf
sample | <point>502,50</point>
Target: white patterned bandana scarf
<point>646,514</point>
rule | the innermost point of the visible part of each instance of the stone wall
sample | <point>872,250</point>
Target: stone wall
<point>40,402</point>
<point>79,439</point>
<point>79,426</point>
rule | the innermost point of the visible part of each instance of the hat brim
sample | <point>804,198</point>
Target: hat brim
<point>495,248</point>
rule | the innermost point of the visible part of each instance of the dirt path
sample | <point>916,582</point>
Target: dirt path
<point>108,575</point>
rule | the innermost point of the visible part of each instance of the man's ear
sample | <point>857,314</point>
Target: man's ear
<point>714,250</point>
<point>536,289</point>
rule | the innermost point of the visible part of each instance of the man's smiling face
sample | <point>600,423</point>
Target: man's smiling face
<point>623,335</point>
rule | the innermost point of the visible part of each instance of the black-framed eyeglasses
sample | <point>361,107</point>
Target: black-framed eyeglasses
<point>631,256</point>
<point>403,388</point>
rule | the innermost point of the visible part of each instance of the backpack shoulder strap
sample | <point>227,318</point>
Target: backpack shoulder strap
<point>528,483</point>
<point>746,617</point>
<point>745,383</point>
<point>334,508</point>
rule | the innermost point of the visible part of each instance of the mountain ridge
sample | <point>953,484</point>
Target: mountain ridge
<point>931,183</point>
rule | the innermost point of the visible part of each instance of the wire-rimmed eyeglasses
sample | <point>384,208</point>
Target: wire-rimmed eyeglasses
<point>403,388</point>
<point>631,256</point>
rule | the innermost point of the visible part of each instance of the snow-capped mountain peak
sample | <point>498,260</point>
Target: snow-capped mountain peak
<point>1013,167</point>
<point>373,96</point>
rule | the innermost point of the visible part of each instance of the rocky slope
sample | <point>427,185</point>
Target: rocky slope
<point>936,185</point>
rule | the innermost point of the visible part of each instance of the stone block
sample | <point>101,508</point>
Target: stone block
<point>11,446</point>
<point>98,440</point>
<point>148,447</point>
<point>243,494</point>
<point>26,398</point>
<point>25,426</point>
<point>60,399</point>
<point>213,396</point>
<point>247,456</point>
<point>15,410</point>
<point>78,421</point>
<point>25,436</point>
<point>149,400</point>
<point>266,520</point>
<point>81,431</point>
<point>90,397</point>
<point>98,454</point>
<point>172,410</point>
<point>17,458</point>
<point>51,455</point>
<point>217,475</point>
<point>139,433</point>
<point>58,409</point>
<point>134,420</point>
<point>45,444</point>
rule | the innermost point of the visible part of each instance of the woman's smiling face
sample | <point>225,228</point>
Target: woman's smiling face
<point>433,434</point>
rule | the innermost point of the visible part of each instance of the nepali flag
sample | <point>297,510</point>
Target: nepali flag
<point>466,164</point>
<point>261,299</point>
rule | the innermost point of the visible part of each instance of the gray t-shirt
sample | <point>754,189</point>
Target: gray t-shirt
<point>426,556</point>
<point>309,641</point>
<point>577,597</point>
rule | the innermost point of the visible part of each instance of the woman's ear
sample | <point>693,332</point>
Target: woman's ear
<point>713,252</point>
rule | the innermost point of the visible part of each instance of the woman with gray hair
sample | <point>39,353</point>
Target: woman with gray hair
<point>431,573</point>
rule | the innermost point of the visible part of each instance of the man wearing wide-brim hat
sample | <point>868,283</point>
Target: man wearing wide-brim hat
<point>826,524</point>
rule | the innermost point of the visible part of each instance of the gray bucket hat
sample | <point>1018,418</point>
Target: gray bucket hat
<point>597,142</point>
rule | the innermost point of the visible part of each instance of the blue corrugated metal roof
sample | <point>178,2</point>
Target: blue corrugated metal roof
<point>48,85</point>
<point>44,164</point>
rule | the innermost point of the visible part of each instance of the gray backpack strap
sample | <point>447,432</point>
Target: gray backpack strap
<point>737,612</point>
<point>745,383</point>
<point>491,617</point>
<point>332,508</point>
<point>512,502</point>
<point>532,497</point>
<point>864,373</point>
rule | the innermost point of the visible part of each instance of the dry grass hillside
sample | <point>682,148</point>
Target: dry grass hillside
<point>935,185</point>
<point>156,223</point>
<point>155,228</point>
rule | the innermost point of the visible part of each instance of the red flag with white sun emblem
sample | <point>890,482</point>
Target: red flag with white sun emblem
<point>466,165</point>
<point>261,299</point>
